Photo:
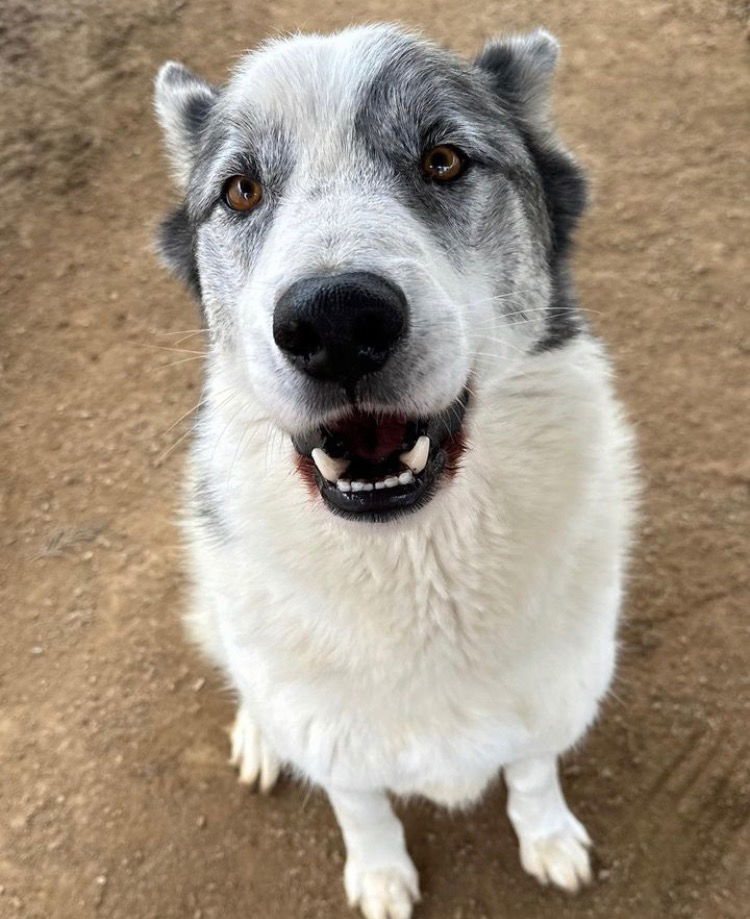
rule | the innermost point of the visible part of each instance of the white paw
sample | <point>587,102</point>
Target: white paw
<point>382,893</point>
<point>559,857</point>
<point>256,761</point>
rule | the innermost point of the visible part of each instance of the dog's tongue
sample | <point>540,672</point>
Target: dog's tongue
<point>373,437</point>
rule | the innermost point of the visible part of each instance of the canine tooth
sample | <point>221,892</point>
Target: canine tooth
<point>416,458</point>
<point>343,485</point>
<point>406,477</point>
<point>358,486</point>
<point>331,469</point>
<point>391,481</point>
<point>368,486</point>
<point>380,485</point>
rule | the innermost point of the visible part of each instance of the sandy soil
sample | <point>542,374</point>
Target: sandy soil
<point>116,797</point>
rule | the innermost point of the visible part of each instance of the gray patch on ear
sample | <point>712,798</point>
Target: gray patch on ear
<point>183,103</point>
<point>521,68</point>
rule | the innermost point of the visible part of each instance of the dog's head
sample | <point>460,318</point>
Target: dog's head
<point>376,230</point>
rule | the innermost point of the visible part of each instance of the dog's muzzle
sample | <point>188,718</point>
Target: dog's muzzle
<point>374,467</point>
<point>367,465</point>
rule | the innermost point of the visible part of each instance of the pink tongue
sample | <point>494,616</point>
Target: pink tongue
<point>371,437</point>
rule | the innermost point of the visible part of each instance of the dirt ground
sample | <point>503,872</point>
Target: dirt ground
<point>116,797</point>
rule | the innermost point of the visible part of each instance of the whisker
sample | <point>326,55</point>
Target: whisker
<point>162,456</point>
<point>192,334</point>
<point>183,360</point>
<point>185,415</point>
<point>176,350</point>
<point>178,331</point>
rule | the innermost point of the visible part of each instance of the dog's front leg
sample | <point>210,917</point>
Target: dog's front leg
<point>379,876</point>
<point>554,844</point>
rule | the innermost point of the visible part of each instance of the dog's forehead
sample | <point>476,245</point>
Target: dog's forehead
<point>321,80</point>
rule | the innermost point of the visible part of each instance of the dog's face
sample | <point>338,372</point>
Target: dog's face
<point>376,231</point>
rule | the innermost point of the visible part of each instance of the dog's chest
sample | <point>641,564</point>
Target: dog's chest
<point>400,672</point>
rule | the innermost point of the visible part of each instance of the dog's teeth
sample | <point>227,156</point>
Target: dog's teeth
<point>331,469</point>
<point>416,458</point>
<point>391,481</point>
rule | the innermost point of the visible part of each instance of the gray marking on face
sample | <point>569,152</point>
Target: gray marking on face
<point>423,98</point>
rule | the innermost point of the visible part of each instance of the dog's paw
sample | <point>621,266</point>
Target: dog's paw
<point>255,760</point>
<point>560,858</point>
<point>382,893</point>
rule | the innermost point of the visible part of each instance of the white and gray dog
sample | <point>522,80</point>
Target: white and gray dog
<point>410,484</point>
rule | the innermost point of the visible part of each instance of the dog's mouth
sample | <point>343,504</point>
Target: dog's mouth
<point>374,466</point>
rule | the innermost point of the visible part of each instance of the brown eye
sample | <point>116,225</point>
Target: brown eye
<point>443,163</point>
<point>242,193</point>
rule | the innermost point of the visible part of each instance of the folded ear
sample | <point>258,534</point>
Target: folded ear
<point>521,68</point>
<point>183,103</point>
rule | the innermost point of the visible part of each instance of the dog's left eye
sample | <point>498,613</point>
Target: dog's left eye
<point>443,163</point>
<point>242,193</point>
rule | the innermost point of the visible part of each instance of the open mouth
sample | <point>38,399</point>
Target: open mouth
<point>374,466</point>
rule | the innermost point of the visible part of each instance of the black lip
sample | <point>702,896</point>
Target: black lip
<point>379,506</point>
<point>445,432</point>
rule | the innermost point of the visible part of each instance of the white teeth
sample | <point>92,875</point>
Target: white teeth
<point>416,458</point>
<point>331,469</point>
<point>406,478</point>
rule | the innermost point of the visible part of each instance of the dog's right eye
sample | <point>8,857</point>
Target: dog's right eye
<point>242,193</point>
<point>443,163</point>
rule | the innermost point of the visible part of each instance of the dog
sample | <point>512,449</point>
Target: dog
<point>411,484</point>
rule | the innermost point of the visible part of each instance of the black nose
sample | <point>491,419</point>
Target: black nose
<point>340,327</point>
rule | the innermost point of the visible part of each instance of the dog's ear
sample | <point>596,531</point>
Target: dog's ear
<point>183,103</point>
<point>521,68</point>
